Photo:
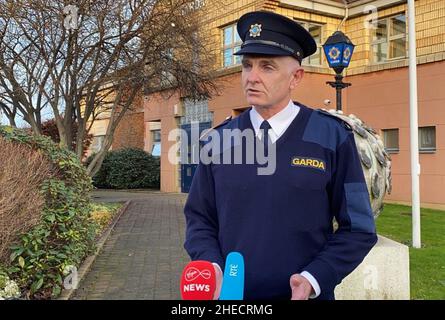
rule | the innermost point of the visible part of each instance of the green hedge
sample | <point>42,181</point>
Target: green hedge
<point>65,234</point>
<point>128,168</point>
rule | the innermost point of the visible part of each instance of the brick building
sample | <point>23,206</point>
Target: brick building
<point>131,129</point>
<point>129,133</point>
<point>378,73</point>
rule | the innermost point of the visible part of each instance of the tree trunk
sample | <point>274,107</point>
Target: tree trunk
<point>11,119</point>
<point>96,163</point>
<point>81,132</point>
<point>62,132</point>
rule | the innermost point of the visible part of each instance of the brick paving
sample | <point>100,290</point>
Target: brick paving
<point>144,255</point>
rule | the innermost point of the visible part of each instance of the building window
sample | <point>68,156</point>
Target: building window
<point>167,58</point>
<point>316,31</point>
<point>97,143</point>
<point>391,140</point>
<point>231,44</point>
<point>388,40</point>
<point>427,139</point>
<point>156,148</point>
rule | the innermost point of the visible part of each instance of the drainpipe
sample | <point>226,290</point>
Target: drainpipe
<point>346,15</point>
<point>413,116</point>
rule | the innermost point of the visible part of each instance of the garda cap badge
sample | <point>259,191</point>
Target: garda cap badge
<point>255,30</point>
<point>309,162</point>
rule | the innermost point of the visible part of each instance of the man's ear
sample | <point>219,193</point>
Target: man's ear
<point>297,76</point>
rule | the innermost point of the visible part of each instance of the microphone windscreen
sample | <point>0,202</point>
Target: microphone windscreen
<point>233,281</point>
<point>198,281</point>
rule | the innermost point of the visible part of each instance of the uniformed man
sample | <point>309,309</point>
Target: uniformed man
<point>282,223</point>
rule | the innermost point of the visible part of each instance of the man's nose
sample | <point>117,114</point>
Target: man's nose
<point>253,75</point>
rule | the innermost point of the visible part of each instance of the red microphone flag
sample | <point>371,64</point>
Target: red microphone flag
<point>198,281</point>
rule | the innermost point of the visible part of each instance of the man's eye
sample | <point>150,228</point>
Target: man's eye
<point>268,67</point>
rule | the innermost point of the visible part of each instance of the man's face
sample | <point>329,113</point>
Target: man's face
<point>268,80</point>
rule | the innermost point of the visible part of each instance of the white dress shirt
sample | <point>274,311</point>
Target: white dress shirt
<point>278,122</point>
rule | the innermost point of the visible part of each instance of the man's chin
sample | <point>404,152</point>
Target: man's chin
<point>253,101</point>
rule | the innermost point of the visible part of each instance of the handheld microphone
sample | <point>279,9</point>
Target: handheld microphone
<point>233,281</point>
<point>198,281</point>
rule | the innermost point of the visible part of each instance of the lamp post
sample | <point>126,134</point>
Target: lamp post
<point>338,50</point>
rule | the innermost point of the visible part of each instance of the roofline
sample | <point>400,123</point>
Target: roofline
<point>338,10</point>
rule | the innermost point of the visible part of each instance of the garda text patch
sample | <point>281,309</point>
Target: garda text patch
<point>309,162</point>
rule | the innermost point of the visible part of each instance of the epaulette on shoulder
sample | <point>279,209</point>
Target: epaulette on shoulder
<point>206,132</point>
<point>337,117</point>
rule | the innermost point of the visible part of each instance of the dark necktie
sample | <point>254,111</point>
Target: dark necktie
<point>265,126</point>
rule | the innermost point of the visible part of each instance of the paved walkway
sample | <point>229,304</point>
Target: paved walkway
<point>103,195</point>
<point>144,256</point>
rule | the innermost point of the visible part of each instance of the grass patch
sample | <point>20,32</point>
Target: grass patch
<point>102,214</point>
<point>427,265</point>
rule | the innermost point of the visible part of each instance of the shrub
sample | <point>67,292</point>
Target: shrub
<point>8,288</point>
<point>129,168</point>
<point>20,203</point>
<point>64,235</point>
<point>100,178</point>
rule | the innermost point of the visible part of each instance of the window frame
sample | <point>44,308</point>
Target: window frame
<point>306,24</point>
<point>156,141</point>
<point>156,145</point>
<point>156,134</point>
<point>427,149</point>
<point>94,145</point>
<point>388,39</point>
<point>166,76</point>
<point>384,134</point>
<point>233,44</point>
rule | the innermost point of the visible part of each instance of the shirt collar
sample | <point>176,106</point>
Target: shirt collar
<point>278,122</point>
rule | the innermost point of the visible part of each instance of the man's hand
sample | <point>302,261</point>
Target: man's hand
<point>218,278</point>
<point>301,287</point>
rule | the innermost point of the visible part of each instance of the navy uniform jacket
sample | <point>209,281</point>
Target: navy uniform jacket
<point>282,223</point>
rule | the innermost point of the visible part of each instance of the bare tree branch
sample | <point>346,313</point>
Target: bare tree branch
<point>111,52</point>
